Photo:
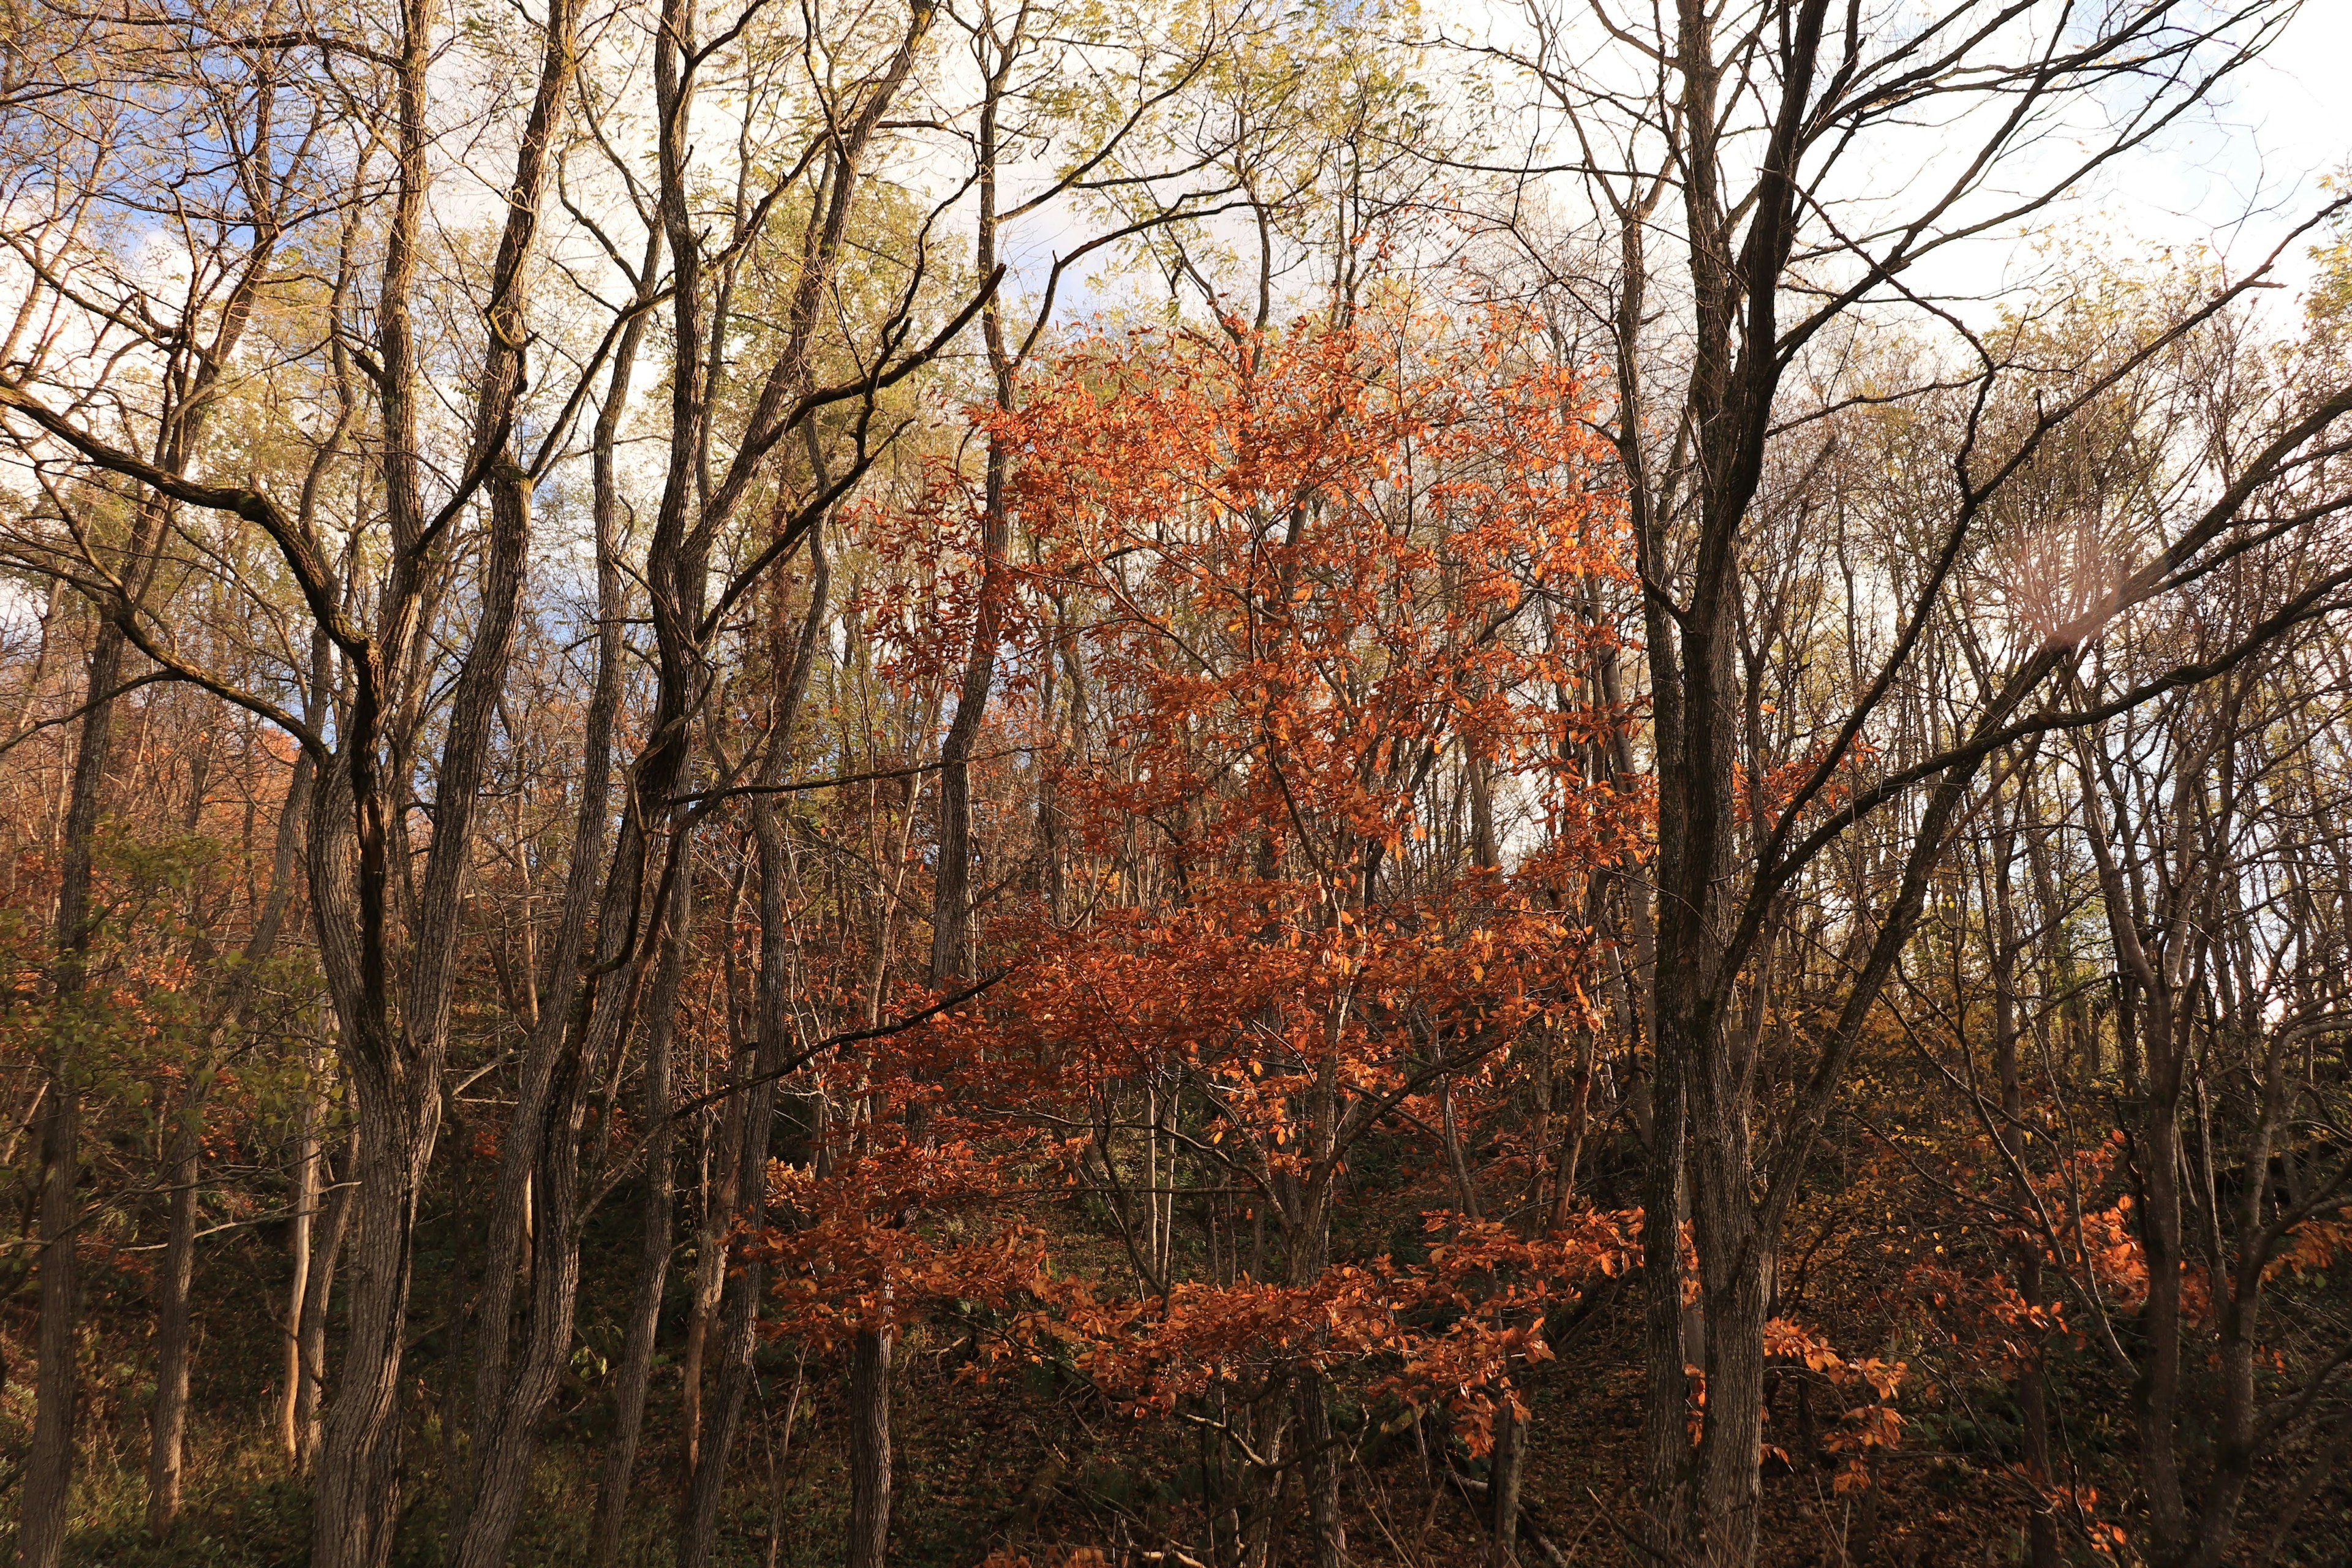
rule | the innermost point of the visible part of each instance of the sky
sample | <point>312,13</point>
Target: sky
<point>2231,176</point>
<point>2234,182</point>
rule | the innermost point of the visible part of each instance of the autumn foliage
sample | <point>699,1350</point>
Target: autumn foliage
<point>1064,785</point>
<point>1293,572</point>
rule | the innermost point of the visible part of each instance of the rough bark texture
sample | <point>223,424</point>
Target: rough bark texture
<point>869,1449</point>
<point>394,1056</point>
<point>1504,1473</point>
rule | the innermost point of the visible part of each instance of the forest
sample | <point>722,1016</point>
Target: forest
<point>1169,783</point>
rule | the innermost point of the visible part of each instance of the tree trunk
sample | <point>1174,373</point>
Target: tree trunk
<point>49,1466</point>
<point>310,1326</point>
<point>307,1156</point>
<point>168,1422</point>
<point>1320,1471</point>
<point>2034,1415</point>
<point>1727,1493</point>
<point>49,1470</point>
<point>652,1269</point>
<point>357,1505</point>
<point>2158,1394</point>
<point>739,1333</point>
<point>1665,1440</point>
<point>635,1373</point>
<point>710,1280</point>
<point>738,1338</point>
<point>1509,1465</point>
<point>869,1447</point>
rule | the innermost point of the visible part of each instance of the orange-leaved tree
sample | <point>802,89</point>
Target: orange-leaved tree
<point>1303,618</point>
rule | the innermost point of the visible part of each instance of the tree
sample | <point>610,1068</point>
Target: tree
<point>1747,124</point>
<point>1091,729</point>
<point>1298,572</point>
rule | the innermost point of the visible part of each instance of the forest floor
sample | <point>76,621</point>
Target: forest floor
<point>1027,1461</point>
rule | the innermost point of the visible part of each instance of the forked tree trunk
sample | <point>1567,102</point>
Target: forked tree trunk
<point>653,1270</point>
<point>395,1053</point>
<point>534,1232</point>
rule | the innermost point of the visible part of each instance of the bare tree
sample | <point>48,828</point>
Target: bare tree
<point>1732,139</point>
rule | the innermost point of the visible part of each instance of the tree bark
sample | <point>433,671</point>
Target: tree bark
<point>2034,1415</point>
<point>635,1372</point>
<point>869,1447</point>
<point>1319,1470</point>
<point>49,1470</point>
<point>739,1332</point>
<point>395,1055</point>
<point>310,1325</point>
<point>49,1466</point>
<point>1505,1471</point>
<point>1665,1441</point>
<point>168,1422</point>
<point>307,1157</point>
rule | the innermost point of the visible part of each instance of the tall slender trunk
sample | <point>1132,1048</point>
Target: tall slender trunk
<point>653,1269</point>
<point>951,888</point>
<point>2033,1408</point>
<point>738,1331</point>
<point>635,1373</point>
<point>49,1466</point>
<point>2158,1394</point>
<point>2155,1155</point>
<point>869,1393</point>
<point>307,1156</point>
<point>709,1271</point>
<point>168,1422</point>
<point>1320,1462</point>
<point>49,1470</point>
